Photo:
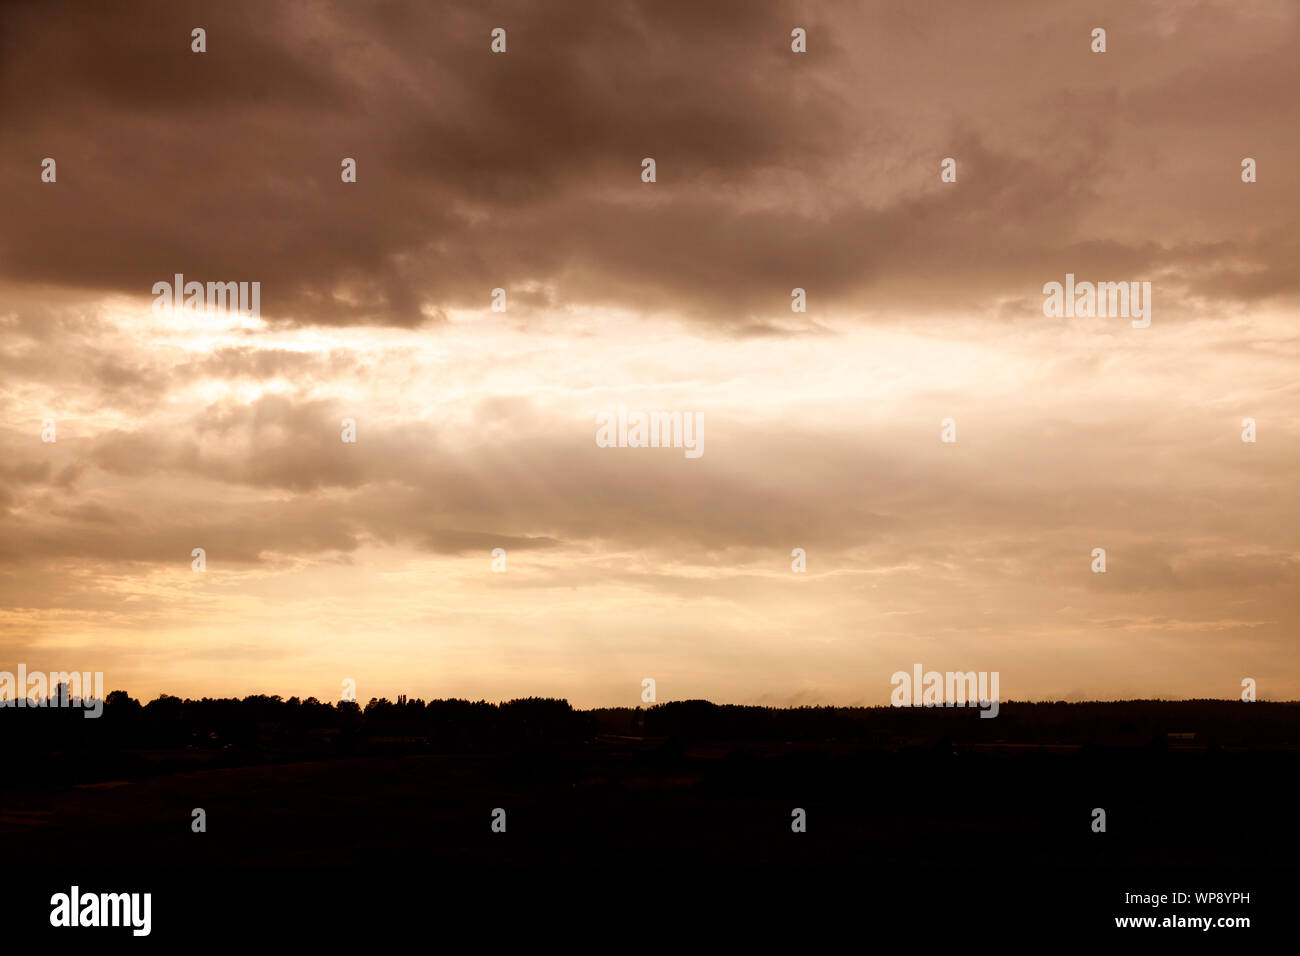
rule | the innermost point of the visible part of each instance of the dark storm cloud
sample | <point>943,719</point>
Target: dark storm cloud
<point>775,169</point>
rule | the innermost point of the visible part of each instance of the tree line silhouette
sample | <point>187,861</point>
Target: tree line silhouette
<point>133,739</point>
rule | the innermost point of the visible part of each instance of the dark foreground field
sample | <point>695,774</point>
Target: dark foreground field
<point>929,816</point>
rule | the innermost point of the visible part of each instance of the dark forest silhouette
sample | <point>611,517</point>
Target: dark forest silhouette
<point>131,739</point>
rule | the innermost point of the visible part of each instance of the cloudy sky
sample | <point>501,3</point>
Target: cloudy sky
<point>371,560</point>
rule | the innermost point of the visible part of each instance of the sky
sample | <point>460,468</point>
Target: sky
<point>372,561</point>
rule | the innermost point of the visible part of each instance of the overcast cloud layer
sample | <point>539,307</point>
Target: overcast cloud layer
<point>371,561</point>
